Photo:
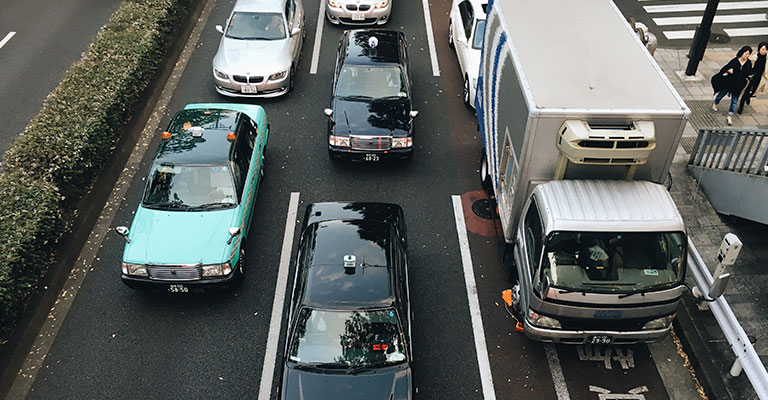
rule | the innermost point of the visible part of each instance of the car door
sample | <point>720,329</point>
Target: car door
<point>463,33</point>
<point>293,20</point>
<point>245,164</point>
<point>401,277</point>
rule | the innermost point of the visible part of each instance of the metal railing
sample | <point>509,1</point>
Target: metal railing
<point>744,150</point>
<point>730,326</point>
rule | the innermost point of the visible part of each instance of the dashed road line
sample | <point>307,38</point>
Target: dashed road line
<point>731,5</point>
<point>42,345</point>
<point>719,19</point>
<point>276,322</point>
<point>430,39</point>
<point>486,379</point>
<point>6,39</point>
<point>561,388</point>
<point>318,38</point>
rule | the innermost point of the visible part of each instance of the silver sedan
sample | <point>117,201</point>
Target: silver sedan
<point>358,12</point>
<point>259,49</point>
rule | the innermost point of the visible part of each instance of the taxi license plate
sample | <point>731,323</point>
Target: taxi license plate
<point>370,157</point>
<point>248,89</point>
<point>599,339</point>
<point>358,17</point>
<point>178,289</point>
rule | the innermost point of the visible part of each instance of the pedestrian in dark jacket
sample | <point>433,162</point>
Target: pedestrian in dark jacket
<point>756,79</point>
<point>731,80</point>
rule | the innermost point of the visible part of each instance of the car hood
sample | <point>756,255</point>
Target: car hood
<point>252,57</point>
<point>391,383</point>
<point>180,237</point>
<point>372,118</point>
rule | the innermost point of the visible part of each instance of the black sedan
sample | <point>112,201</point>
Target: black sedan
<point>349,332</point>
<point>371,115</point>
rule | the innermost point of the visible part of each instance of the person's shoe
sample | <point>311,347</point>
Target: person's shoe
<point>714,107</point>
<point>739,111</point>
<point>730,120</point>
<point>747,100</point>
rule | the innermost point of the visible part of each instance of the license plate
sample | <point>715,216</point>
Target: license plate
<point>371,157</point>
<point>178,289</point>
<point>358,17</point>
<point>248,89</point>
<point>599,339</point>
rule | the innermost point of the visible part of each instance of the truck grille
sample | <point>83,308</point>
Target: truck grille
<point>174,273</point>
<point>371,142</point>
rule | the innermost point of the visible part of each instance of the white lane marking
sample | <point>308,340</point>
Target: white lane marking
<point>561,388</point>
<point>318,38</point>
<point>735,32</point>
<point>679,34</point>
<point>486,379</point>
<point>719,19</point>
<point>731,5</point>
<point>430,39</point>
<point>85,261</point>
<point>276,322</point>
<point>6,39</point>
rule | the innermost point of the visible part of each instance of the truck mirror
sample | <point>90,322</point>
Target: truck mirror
<point>718,286</point>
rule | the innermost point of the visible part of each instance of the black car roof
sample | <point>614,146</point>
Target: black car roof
<point>329,284</point>
<point>359,52</point>
<point>212,148</point>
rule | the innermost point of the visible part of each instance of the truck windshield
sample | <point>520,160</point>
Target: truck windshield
<point>614,262</point>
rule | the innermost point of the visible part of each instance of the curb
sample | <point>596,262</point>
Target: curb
<point>14,352</point>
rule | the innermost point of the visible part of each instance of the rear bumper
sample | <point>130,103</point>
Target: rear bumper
<point>201,285</point>
<point>580,337</point>
<point>345,153</point>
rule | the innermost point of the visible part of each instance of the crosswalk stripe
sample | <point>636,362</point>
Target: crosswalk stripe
<point>719,19</point>
<point>679,34</point>
<point>740,32</point>
<point>731,5</point>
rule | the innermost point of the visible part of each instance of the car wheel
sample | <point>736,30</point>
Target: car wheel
<point>485,177</point>
<point>466,92</point>
<point>450,34</point>
<point>291,80</point>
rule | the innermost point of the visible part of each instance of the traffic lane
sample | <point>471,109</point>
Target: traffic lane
<point>46,43</point>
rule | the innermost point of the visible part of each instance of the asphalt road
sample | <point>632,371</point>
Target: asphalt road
<point>49,37</point>
<point>119,343</point>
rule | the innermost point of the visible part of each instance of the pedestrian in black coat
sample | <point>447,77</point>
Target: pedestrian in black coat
<point>731,80</point>
<point>758,71</point>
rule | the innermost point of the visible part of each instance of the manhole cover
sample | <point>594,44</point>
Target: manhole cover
<point>485,208</point>
<point>717,37</point>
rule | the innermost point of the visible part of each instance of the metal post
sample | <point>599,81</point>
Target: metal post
<point>700,38</point>
<point>736,368</point>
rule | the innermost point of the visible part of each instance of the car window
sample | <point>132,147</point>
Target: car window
<point>256,26</point>
<point>289,7</point>
<point>465,10</point>
<point>477,40</point>
<point>533,240</point>
<point>184,187</point>
<point>242,161</point>
<point>371,81</point>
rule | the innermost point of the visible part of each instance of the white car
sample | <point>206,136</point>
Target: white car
<point>259,49</point>
<point>466,28</point>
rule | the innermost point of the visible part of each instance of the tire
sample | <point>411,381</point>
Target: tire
<point>239,270</point>
<point>467,100</point>
<point>485,176</point>
<point>291,80</point>
<point>450,34</point>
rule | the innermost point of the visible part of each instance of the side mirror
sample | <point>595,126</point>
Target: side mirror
<point>233,231</point>
<point>718,286</point>
<point>414,114</point>
<point>123,231</point>
<point>295,31</point>
<point>220,29</point>
<point>328,112</point>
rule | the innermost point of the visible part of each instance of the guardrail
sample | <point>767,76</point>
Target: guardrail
<point>742,150</point>
<point>730,326</point>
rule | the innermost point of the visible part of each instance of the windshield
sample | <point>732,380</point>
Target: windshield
<point>347,338</point>
<point>185,187</point>
<point>252,25</point>
<point>614,262</point>
<point>371,82</point>
<point>477,37</point>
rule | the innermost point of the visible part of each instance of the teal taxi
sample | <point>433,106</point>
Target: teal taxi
<point>190,229</point>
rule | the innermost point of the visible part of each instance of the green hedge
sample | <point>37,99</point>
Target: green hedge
<point>51,165</point>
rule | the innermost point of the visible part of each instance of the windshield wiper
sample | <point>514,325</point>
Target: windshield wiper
<point>357,97</point>
<point>625,295</point>
<point>394,97</point>
<point>367,367</point>
<point>209,206</point>
<point>168,205</point>
<point>319,365</point>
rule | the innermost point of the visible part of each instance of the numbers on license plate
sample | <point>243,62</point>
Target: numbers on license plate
<point>599,340</point>
<point>358,17</point>
<point>371,157</point>
<point>178,289</point>
<point>248,89</point>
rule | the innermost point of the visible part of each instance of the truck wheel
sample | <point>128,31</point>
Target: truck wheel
<point>485,177</point>
<point>450,34</point>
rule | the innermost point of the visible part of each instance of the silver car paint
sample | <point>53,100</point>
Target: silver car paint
<point>334,14</point>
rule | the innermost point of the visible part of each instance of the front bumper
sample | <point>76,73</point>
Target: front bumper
<point>200,285</point>
<point>342,15</point>
<point>581,337</point>
<point>266,88</point>
<point>345,153</point>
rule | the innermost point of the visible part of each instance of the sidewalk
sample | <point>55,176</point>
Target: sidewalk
<point>747,291</point>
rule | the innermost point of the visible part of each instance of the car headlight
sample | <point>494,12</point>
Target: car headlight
<point>220,74</point>
<point>402,142</point>
<point>542,321</point>
<point>382,4</point>
<point>134,269</point>
<point>342,141</point>
<point>217,269</point>
<point>659,323</point>
<point>278,75</point>
<point>333,4</point>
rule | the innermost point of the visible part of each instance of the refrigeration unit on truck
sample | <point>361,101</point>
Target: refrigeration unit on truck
<point>580,127</point>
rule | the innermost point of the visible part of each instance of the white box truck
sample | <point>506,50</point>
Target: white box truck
<point>579,128</point>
